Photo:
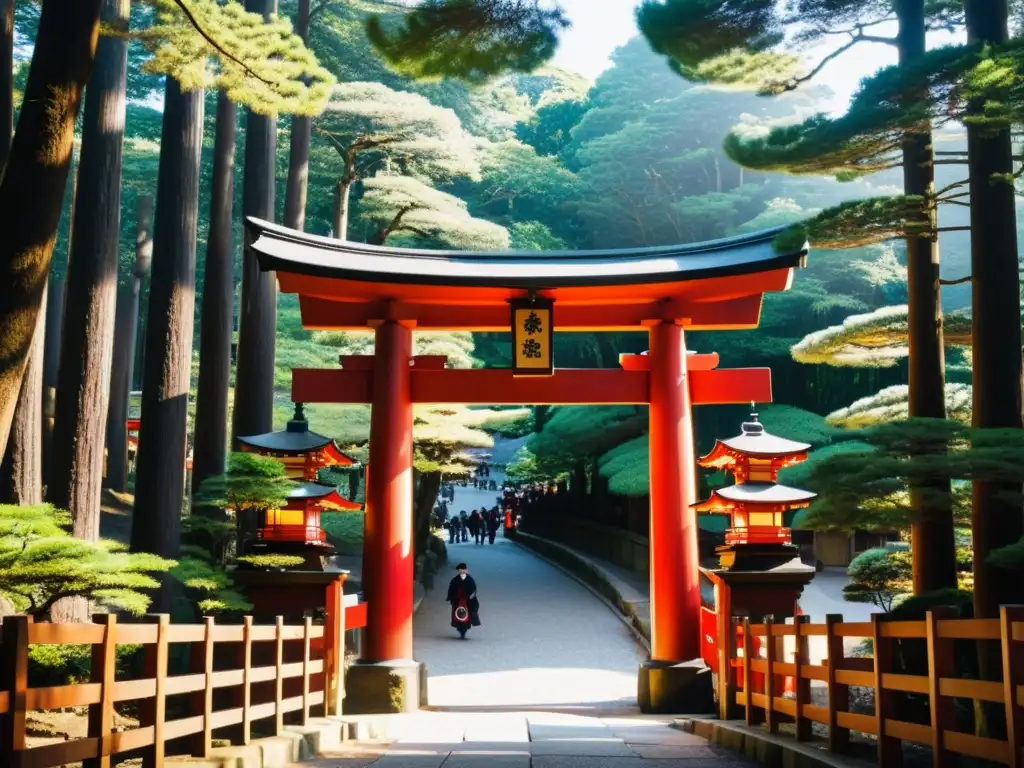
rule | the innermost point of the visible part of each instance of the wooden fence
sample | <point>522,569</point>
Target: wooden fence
<point>299,670</point>
<point>751,685</point>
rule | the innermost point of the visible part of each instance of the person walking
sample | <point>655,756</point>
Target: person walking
<point>455,528</point>
<point>476,527</point>
<point>492,525</point>
<point>463,600</point>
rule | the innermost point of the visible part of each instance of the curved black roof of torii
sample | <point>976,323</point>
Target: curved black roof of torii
<point>281,249</point>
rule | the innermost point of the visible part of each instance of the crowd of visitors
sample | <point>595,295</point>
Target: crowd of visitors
<point>483,524</point>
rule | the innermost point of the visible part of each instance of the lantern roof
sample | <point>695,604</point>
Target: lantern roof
<point>325,495</point>
<point>753,494</point>
<point>297,439</point>
<point>755,441</point>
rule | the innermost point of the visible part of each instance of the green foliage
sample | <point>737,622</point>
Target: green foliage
<point>873,339</point>
<point>259,64</point>
<point>534,236</point>
<point>252,482</point>
<point>272,562</point>
<point>797,424</point>
<point>50,665</point>
<point>574,433</point>
<point>873,220</point>
<point>209,587</point>
<point>802,475</point>
<point>627,468</point>
<point>867,490</point>
<point>470,39</point>
<point>442,436</point>
<point>1010,557</point>
<point>381,126</point>
<point>344,531</point>
<point>40,563</point>
<point>892,404</point>
<point>207,535</point>
<point>697,34</point>
<point>878,576</point>
<point>402,205</point>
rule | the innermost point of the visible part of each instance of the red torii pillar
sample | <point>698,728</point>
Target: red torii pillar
<point>674,554</point>
<point>388,565</point>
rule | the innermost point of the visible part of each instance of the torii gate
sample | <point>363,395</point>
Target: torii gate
<point>667,291</point>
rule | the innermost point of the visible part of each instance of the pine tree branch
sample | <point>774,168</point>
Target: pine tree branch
<point>958,281</point>
<point>951,187</point>
<point>856,37</point>
<point>217,46</point>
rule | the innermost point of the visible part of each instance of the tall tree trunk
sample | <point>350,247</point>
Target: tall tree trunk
<point>87,341</point>
<point>424,500</point>
<point>6,79</point>
<point>160,469</point>
<point>21,471</point>
<point>298,152</point>
<point>53,311</point>
<point>933,539</point>
<point>217,317</point>
<point>342,201</point>
<point>21,479</point>
<point>34,180</point>
<point>125,337</point>
<point>254,373</point>
<point>996,520</point>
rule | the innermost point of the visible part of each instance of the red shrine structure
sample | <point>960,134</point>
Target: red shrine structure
<point>665,291</point>
<point>295,529</point>
<point>759,571</point>
<point>756,503</point>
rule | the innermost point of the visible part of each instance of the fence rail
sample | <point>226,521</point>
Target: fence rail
<point>753,686</point>
<point>255,666</point>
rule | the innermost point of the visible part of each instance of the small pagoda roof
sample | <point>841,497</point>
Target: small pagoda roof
<point>325,495</point>
<point>297,439</point>
<point>755,441</point>
<point>753,494</point>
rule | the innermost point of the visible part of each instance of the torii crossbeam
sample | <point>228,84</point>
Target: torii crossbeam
<point>666,291</point>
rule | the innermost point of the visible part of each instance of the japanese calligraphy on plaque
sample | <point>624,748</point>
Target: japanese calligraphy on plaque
<point>533,337</point>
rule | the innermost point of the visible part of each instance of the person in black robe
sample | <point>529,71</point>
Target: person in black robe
<point>463,600</point>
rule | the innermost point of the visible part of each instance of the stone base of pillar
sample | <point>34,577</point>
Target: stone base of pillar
<point>675,688</point>
<point>385,687</point>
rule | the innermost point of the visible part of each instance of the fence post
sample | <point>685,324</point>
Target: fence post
<point>752,716</point>
<point>153,712</point>
<point>334,647</point>
<point>890,750</point>
<point>278,672</point>
<point>202,701</point>
<point>726,653</point>
<point>941,663</point>
<point>14,682</point>
<point>103,668</point>
<point>246,678</point>
<point>1012,668</point>
<point>801,684</point>
<point>769,676</point>
<point>307,627</point>
<point>838,695</point>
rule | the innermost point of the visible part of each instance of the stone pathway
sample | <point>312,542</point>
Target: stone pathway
<point>535,740</point>
<point>548,680</point>
<point>545,639</point>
